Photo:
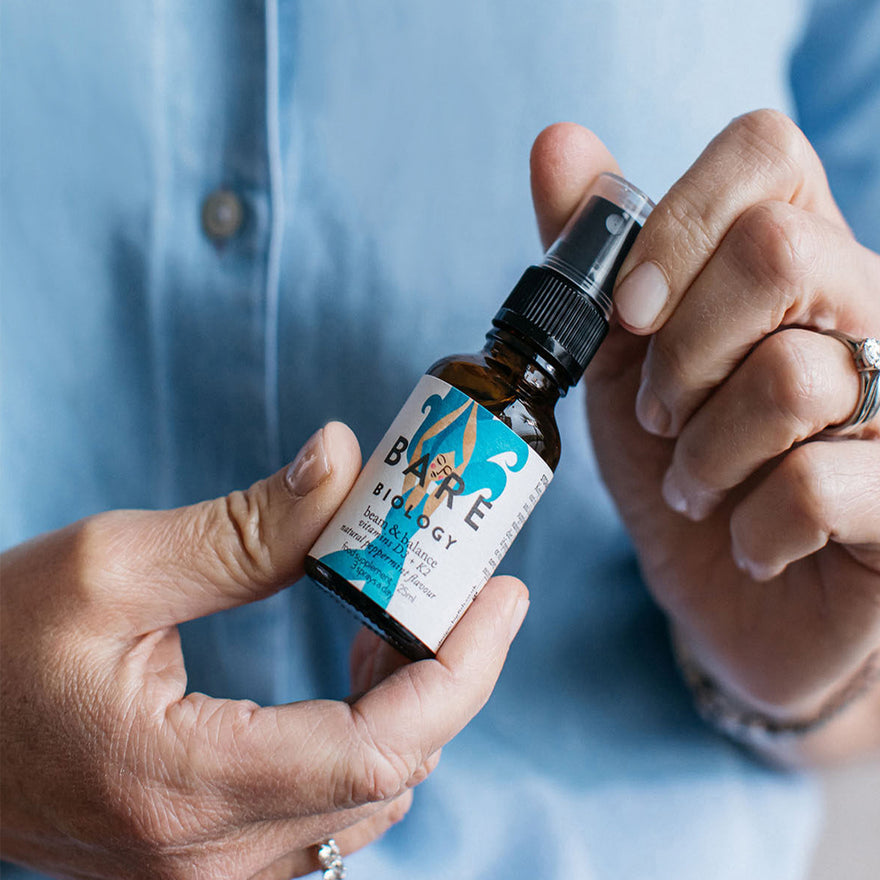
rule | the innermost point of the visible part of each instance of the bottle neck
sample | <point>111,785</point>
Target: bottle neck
<point>528,371</point>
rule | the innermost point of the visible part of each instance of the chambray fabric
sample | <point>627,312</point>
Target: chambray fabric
<point>380,151</point>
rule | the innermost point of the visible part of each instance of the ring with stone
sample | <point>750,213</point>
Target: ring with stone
<point>330,859</point>
<point>866,357</point>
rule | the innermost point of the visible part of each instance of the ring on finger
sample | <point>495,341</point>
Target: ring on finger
<point>866,357</point>
<point>330,859</point>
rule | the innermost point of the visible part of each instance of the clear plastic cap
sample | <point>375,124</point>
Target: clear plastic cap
<point>594,243</point>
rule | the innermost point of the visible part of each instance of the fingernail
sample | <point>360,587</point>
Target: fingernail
<point>518,616</point>
<point>310,467</point>
<point>650,411</point>
<point>641,296</point>
<point>672,493</point>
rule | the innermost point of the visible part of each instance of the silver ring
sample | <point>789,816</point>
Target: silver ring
<point>331,860</point>
<point>866,357</point>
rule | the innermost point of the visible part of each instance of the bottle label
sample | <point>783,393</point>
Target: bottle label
<point>434,510</point>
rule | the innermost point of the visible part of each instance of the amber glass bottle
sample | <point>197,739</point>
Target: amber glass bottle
<point>475,445</point>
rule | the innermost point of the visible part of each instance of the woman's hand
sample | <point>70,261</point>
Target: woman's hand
<point>111,770</point>
<point>757,533</point>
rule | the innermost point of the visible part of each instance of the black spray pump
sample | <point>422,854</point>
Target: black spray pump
<point>563,305</point>
<point>475,445</point>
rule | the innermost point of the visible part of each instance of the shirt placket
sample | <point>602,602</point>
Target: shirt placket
<point>213,275</point>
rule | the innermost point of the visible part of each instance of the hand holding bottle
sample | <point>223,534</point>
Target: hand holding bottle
<point>756,532</point>
<point>112,770</point>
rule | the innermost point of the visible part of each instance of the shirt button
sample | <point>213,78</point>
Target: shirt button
<point>222,214</point>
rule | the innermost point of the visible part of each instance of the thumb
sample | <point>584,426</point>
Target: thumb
<point>246,545</point>
<point>566,158</point>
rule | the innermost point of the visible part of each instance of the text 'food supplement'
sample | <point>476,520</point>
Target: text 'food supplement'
<point>462,466</point>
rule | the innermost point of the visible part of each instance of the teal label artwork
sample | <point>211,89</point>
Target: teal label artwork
<point>434,510</point>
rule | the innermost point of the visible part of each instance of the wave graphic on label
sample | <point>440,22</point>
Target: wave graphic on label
<point>457,461</point>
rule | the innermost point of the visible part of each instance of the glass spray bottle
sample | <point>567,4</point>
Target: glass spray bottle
<point>462,466</point>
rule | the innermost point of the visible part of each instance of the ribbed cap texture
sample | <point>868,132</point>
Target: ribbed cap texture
<point>561,321</point>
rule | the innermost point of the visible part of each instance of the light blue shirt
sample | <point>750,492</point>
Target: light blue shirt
<point>380,152</point>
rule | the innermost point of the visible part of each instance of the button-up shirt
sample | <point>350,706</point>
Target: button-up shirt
<point>225,223</point>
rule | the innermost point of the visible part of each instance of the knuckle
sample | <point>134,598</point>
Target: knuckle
<point>422,772</point>
<point>380,778</point>
<point>399,808</point>
<point>667,369</point>
<point>684,210</point>
<point>775,244</point>
<point>154,825</point>
<point>792,389</point>
<point>143,822</point>
<point>96,557</point>
<point>691,459</point>
<point>811,487</point>
<point>157,790</point>
<point>234,528</point>
<point>376,773</point>
<point>165,832</point>
<point>134,796</point>
<point>772,134</point>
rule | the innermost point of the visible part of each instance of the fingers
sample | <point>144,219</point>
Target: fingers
<point>778,266</point>
<point>362,659</point>
<point>759,157</point>
<point>823,491</point>
<point>422,706</point>
<point>235,549</point>
<point>321,756</point>
<point>305,860</point>
<point>795,384</point>
<point>566,158</point>
<point>372,660</point>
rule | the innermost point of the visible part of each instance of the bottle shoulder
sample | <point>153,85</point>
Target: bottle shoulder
<point>488,383</point>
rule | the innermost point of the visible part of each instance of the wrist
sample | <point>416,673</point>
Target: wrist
<point>787,738</point>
